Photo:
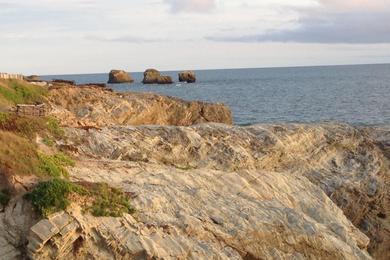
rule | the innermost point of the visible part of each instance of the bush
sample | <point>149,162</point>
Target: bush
<point>51,196</point>
<point>54,165</point>
<point>109,202</point>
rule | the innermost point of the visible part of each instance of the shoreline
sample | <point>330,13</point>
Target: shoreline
<point>170,178</point>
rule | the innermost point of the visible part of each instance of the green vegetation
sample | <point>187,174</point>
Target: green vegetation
<point>54,165</point>
<point>20,92</point>
<point>54,128</point>
<point>28,126</point>
<point>4,197</point>
<point>18,155</point>
<point>48,141</point>
<point>51,196</point>
<point>109,202</point>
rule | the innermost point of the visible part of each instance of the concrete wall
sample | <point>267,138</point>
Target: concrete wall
<point>10,76</point>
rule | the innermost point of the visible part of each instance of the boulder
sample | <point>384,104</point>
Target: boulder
<point>164,80</point>
<point>187,76</point>
<point>119,76</point>
<point>151,76</point>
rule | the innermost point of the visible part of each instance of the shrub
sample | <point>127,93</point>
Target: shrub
<point>109,202</point>
<point>51,196</point>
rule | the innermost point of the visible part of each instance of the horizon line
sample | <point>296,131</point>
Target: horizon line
<point>233,68</point>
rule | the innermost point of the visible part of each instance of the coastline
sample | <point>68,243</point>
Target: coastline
<point>203,187</point>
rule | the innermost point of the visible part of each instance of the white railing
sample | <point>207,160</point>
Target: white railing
<point>10,76</point>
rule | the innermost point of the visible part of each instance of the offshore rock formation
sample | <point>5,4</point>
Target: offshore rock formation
<point>164,80</point>
<point>96,107</point>
<point>153,76</point>
<point>258,192</point>
<point>119,76</point>
<point>187,76</point>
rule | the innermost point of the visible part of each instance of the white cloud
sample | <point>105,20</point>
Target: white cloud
<point>191,5</point>
<point>95,35</point>
<point>330,21</point>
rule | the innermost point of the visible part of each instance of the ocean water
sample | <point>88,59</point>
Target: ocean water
<point>358,94</point>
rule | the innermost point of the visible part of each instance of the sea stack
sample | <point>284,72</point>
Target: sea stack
<point>119,76</point>
<point>153,76</point>
<point>187,76</point>
<point>164,80</point>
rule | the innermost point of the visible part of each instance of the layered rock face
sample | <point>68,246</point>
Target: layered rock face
<point>214,191</point>
<point>119,76</point>
<point>187,76</point>
<point>208,191</point>
<point>96,107</point>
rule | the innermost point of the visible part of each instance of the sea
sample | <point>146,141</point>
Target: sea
<point>354,94</point>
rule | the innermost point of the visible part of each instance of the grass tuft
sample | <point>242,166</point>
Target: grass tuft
<point>109,202</point>
<point>55,165</point>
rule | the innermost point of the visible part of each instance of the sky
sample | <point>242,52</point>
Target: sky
<point>91,36</point>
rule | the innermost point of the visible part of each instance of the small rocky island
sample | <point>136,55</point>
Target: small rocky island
<point>108,175</point>
<point>119,76</point>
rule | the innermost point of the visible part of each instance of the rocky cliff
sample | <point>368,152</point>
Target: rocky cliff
<point>98,107</point>
<point>226,192</point>
<point>207,191</point>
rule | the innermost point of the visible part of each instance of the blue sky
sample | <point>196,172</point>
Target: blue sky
<point>85,36</point>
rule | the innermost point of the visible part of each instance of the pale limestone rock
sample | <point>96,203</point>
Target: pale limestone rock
<point>93,107</point>
<point>222,192</point>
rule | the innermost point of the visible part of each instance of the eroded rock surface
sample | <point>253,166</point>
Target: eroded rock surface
<point>294,191</point>
<point>258,192</point>
<point>119,76</point>
<point>96,107</point>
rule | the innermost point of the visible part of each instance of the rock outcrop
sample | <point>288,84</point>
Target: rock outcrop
<point>164,80</point>
<point>32,78</point>
<point>98,107</point>
<point>187,76</point>
<point>119,76</point>
<point>153,76</point>
<point>227,192</point>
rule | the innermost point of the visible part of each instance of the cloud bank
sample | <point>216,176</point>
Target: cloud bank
<point>332,21</point>
<point>198,6</point>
